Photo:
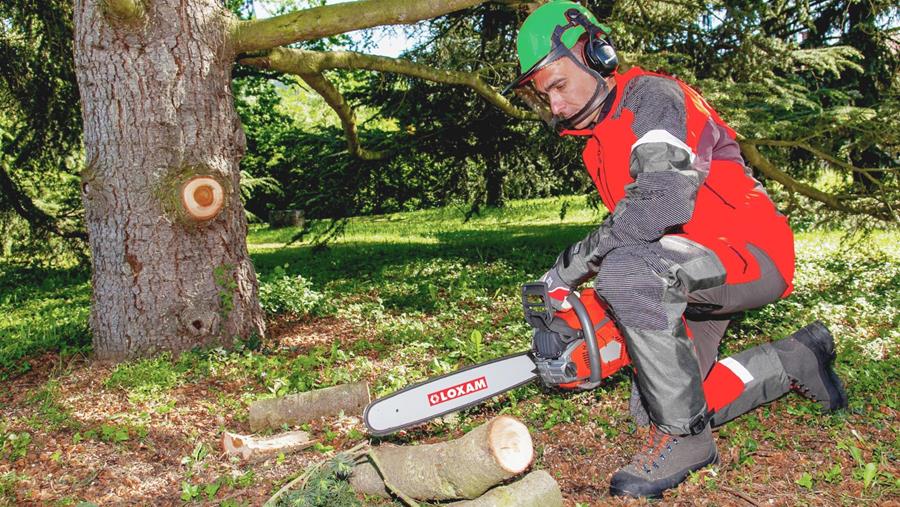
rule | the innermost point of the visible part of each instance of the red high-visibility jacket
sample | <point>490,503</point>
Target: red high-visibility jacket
<point>723,206</point>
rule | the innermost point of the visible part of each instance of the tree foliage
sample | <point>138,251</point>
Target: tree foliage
<point>812,88</point>
<point>40,121</point>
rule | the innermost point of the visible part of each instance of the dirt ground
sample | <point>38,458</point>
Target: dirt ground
<point>149,467</point>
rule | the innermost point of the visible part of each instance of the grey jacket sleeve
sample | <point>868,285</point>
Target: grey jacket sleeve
<point>667,176</point>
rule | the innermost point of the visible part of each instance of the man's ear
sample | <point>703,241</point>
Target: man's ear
<point>578,49</point>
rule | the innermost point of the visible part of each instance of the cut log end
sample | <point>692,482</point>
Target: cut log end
<point>462,468</point>
<point>202,197</point>
<point>511,444</point>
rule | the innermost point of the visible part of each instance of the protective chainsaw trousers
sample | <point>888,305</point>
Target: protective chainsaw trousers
<point>649,287</point>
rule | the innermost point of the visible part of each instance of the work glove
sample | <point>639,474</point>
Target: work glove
<point>557,290</point>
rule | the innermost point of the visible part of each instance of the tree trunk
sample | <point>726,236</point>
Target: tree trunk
<point>495,177</point>
<point>154,79</point>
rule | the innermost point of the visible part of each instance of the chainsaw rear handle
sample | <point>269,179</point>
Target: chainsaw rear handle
<point>539,313</point>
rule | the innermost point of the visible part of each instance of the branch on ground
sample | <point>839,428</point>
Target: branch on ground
<point>298,61</point>
<point>327,20</point>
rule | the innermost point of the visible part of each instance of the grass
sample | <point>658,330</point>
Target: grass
<point>406,296</point>
<point>41,310</point>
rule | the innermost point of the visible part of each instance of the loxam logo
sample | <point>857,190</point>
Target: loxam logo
<point>451,393</point>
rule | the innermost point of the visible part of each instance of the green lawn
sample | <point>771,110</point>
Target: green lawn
<point>402,297</point>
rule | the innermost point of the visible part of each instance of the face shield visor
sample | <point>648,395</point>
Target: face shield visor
<point>538,101</point>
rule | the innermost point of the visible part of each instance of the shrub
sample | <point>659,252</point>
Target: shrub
<point>290,294</point>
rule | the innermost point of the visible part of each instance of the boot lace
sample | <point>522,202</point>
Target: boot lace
<point>801,388</point>
<point>654,450</point>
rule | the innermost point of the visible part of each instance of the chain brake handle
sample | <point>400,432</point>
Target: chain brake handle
<point>539,313</point>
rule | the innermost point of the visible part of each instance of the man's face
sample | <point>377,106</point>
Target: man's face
<point>567,88</point>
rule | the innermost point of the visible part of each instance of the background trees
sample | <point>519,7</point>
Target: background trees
<point>40,128</point>
<point>786,76</point>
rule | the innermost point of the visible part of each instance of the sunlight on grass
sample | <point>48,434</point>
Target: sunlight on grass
<point>427,226</point>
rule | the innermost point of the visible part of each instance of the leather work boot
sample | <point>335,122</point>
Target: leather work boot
<point>663,463</point>
<point>807,357</point>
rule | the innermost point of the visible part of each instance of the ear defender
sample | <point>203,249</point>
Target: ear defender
<point>599,53</point>
<point>601,56</point>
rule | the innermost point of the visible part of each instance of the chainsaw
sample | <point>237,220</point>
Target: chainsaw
<point>573,349</point>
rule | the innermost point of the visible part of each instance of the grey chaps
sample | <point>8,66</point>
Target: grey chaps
<point>649,287</point>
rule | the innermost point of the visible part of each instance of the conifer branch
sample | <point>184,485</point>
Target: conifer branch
<point>345,112</point>
<point>310,65</point>
<point>298,61</point>
<point>327,20</point>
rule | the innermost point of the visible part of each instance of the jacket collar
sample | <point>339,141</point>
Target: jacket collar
<point>608,104</point>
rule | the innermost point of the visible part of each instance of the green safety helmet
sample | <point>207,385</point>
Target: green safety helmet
<point>551,31</point>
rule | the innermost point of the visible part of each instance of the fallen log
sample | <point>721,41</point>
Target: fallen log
<point>462,468</point>
<point>249,447</point>
<point>537,489</point>
<point>299,408</point>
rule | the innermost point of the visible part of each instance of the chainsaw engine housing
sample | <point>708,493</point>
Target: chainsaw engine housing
<point>559,347</point>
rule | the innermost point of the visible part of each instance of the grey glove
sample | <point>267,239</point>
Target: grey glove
<point>557,290</point>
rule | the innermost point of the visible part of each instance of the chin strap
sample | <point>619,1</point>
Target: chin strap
<point>596,100</point>
<point>591,106</point>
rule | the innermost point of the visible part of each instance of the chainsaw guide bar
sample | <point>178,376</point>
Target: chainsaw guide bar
<point>448,393</point>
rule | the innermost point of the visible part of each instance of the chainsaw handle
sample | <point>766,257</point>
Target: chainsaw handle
<point>536,303</point>
<point>590,339</point>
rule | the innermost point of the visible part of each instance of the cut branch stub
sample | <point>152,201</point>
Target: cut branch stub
<point>125,11</point>
<point>202,197</point>
<point>193,194</point>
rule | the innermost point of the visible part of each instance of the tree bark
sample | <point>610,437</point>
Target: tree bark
<point>351,399</point>
<point>494,179</point>
<point>537,489</point>
<point>158,111</point>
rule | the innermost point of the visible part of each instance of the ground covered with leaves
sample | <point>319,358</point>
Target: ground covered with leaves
<point>401,298</point>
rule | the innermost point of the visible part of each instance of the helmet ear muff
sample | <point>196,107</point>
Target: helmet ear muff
<point>600,55</point>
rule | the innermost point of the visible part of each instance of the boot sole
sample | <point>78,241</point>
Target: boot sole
<point>661,485</point>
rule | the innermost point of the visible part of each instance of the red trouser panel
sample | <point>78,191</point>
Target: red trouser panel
<point>730,212</point>
<point>721,387</point>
